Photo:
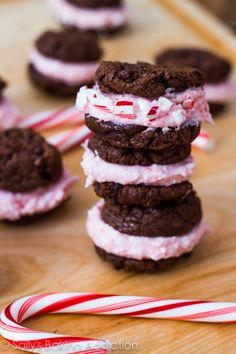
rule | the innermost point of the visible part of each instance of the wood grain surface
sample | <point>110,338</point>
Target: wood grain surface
<point>205,24</point>
<point>54,253</point>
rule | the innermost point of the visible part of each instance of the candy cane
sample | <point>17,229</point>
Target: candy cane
<point>70,138</point>
<point>124,109</point>
<point>52,119</point>
<point>90,303</point>
<point>204,142</point>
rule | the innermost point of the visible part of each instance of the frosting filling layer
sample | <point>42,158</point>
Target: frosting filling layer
<point>171,110</point>
<point>124,245</point>
<point>86,18</point>
<point>14,206</point>
<point>9,114</point>
<point>223,92</point>
<point>99,170</point>
<point>72,74</point>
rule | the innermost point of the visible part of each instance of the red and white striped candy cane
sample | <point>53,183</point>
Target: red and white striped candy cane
<point>204,142</point>
<point>70,138</point>
<point>52,119</point>
<point>90,303</point>
<point>124,109</point>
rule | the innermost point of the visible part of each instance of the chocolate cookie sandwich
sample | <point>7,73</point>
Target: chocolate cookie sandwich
<point>150,215</point>
<point>33,180</point>
<point>62,62</point>
<point>103,16</point>
<point>142,106</point>
<point>141,252</point>
<point>9,114</point>
<point>215,70</point>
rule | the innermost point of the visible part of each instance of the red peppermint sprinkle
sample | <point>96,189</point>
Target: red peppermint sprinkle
<point>124,103</point>
<point>153,111</point>
<point>124,109</point>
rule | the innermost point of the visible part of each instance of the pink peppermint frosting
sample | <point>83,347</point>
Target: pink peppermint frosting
<point>9,114</point>
<point>223,92</point>
<point>14,206</point>
<point>171,110</point>
<point>70,73</point>
<point>86,18</point>
<point>99,170</point>
<point>155,248</point>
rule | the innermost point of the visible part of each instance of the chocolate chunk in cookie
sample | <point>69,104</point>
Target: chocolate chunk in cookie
<point>135,265</point>
<point>139,157</point>
<point>140,137</point>
<point>175,218</point>
<point>145,80</point>
<point>146,196</point>
<point>214,68</point>
<point>70,46</point>
<point>27,161</point>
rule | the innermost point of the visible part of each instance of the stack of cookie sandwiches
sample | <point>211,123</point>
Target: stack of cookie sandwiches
<point>144,119</point>
<point>216,72</point>
<point>63,61</point>
<point>101,16</point>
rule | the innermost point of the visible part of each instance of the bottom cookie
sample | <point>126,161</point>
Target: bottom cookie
<point>106,32</point>
<point>133,265</point>
<point>217,108</point>
<point>54,87</point>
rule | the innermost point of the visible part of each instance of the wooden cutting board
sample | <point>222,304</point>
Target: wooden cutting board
<point>54,254</point>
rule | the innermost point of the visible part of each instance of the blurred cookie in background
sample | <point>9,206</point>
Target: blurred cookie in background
<point>102,16</point>
<point>216,71</point>
<point>63,61</point>
<point>224,9</point>
<point>33,178</point>
<point>9,114</point>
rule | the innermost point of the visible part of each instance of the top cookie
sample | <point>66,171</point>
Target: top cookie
<point>145,80</point>
<point>94,4</point>
<point>214,68</point>
<point>69,46</point>
<point>27,161</point>
<point>3,85</point>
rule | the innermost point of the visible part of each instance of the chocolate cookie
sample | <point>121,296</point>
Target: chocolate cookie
<point>214,68</point>
<point>140,137</point>
<point>134,265</point>
<point>106,32</point>
<point>216,108</point>
<point>70,46</point>
<point>175,218</point>
<point>3,85</point>
<point>139,157</point>
<point>54,87</point>
<point>27,161</point>
<point>96,4</point>
<point>144,80</point>
<point>147,196</point>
